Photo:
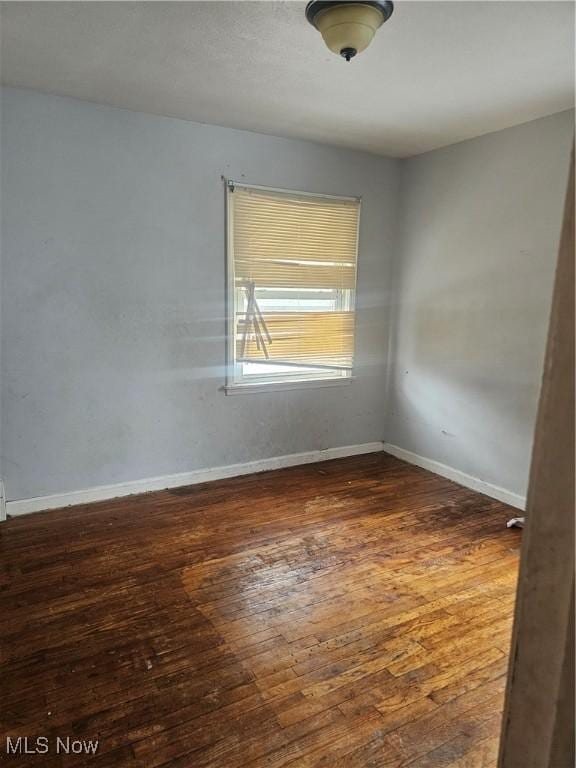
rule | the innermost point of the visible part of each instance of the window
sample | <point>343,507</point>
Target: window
<point>291,284</point>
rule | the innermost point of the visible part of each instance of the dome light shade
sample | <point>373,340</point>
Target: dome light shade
<point>347,28</point>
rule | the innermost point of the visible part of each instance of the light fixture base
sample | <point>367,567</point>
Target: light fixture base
<point>314,7</point>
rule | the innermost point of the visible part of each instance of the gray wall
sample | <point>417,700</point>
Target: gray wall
<point>1,334</point>
<point>478,243</point>
<point>113,296</point>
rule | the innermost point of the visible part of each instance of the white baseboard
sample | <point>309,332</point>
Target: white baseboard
<point>474,483</point>
<point>2,502</point>
<point>103,492</point>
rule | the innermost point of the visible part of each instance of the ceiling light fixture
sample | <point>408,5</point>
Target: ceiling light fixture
<point>347,28</point>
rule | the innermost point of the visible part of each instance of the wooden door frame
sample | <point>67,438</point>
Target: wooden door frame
<point>538,724</point>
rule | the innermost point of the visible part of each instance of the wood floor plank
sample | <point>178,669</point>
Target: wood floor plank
<point>349,614</point>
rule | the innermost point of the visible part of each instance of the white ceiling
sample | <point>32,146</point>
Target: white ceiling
<point>436,73</point>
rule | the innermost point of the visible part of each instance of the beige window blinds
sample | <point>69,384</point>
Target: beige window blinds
<point>293,258</point>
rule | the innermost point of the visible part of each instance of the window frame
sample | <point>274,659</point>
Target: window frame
<point>232,386</point>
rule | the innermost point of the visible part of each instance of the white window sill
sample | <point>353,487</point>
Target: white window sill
<point>279,386</point>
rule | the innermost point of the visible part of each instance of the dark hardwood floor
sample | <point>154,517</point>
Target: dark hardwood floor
<point>354,613</point>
